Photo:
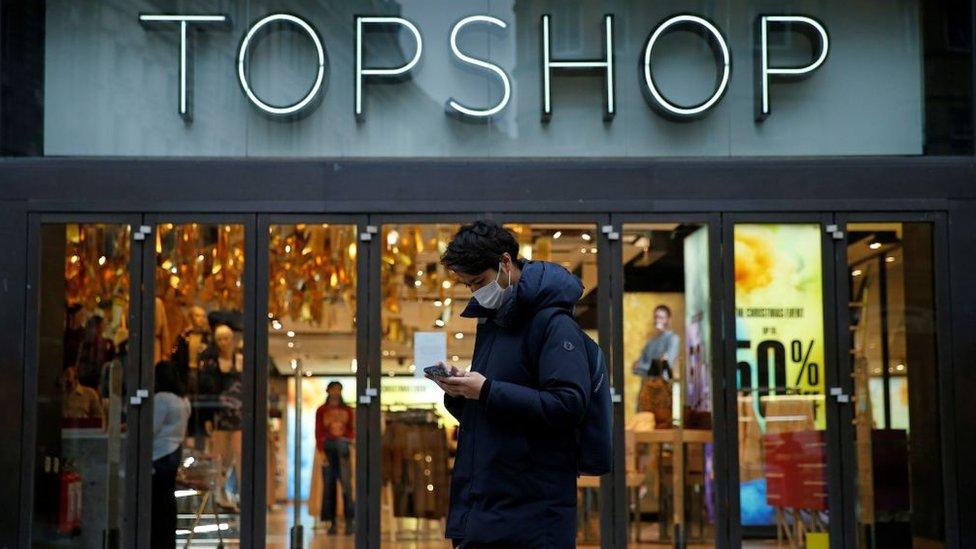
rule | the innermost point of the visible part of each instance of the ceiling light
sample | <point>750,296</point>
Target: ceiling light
<point>291,344</point>
<point>459,335</point>
<point>276,324</point>
<point>890,259</point>
<point>586,236</point>
<point>354,365</point>
<point>290,333</point>
<point>392,238</point>
<point>874,245</point>
<point>417,283</point>
<point>592,250</point>
<point>294,364</point>
<point>446,284</point>
<point>900,367</point>
<point>582,250</point>
<point>447,301</point>
<point>557,234</point>
<point>439,323</point>
<point>420,274</point>
<point>455,358</point>
<point>438,303</point>
<point>856,272</point>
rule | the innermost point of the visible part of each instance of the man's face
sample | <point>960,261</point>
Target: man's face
<point>334,392</point>
<point>199,318</point>
<point>475,282</point>
<point>70,378</point>
<point>662,320</point>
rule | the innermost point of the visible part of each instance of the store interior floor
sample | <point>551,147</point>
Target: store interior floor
<point>280,522</point>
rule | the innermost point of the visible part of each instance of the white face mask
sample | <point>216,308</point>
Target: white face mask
<point>492,295</point>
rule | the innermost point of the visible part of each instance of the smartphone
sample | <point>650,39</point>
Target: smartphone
<point>437,370</point>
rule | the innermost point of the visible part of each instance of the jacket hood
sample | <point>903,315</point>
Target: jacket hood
<point>542,285</point>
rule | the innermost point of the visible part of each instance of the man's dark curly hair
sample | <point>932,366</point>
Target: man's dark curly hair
<point>478,247</point>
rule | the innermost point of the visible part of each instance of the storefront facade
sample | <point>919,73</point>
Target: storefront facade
<point>258,194</point>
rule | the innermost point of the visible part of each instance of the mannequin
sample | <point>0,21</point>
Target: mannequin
<point>189,345</point>
<point>221,368</point>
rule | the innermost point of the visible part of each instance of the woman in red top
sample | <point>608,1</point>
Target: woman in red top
<point>333,434</point>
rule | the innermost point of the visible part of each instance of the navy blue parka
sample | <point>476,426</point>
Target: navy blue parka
<point>514,478</point>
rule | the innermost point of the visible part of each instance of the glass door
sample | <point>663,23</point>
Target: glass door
<point>82,427</point>
<point>890,354</point>
<point>198,379</point>
<point>779,290</point>
<point>311,427</point>
<point>417,306</point>
<point>668,325</point>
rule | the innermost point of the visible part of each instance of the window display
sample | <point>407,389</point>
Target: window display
<point>667,388</point>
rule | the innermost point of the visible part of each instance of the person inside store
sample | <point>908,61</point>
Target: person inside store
<point>171,411</point>
<point>80,404</point>
<point>334,421</point>
<point>74,333</point>
<point>220,401</point>
<point>95,350</point>
<point>656,367</point>
<point>514,477</point>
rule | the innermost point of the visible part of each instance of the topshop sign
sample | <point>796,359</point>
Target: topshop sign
<point>765,70</point>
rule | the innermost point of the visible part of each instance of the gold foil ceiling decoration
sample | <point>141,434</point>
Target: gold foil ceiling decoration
<point>200,264</point>
<point>96,271</point>
<point>311,265</point>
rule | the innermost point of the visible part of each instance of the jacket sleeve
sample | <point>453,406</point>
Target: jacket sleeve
<point>563,390</point>
<point>455,405</point>
<point>319,430</point>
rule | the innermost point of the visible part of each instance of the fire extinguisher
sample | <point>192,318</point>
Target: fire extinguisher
<point>69,510</point>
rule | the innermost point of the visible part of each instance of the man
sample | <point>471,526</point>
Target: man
<point>656,367</point>
<point>514,478</point>
<point>661,353</point>
<point>78,401</point>
<point>334,432</point>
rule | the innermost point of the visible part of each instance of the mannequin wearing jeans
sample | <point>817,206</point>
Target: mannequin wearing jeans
<point>333,435</point>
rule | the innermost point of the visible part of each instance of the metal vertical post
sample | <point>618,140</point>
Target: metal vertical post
<point>297,535</point>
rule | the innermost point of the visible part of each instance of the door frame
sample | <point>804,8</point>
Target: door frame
<point>247,480</point>
<point>723,446</point>
<point>132,373</point>
<point>833,410</point>
<point>946,386</point>
<point>264,223</point>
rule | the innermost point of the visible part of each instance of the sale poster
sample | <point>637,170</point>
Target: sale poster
<point>779,317</point>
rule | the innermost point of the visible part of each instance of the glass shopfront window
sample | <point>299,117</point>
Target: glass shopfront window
<point>447,79</point>
<point>83,419</point>
<point>670,474</point>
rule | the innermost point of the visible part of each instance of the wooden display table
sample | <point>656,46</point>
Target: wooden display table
<point>677,438</point>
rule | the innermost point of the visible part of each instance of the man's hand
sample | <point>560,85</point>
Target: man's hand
<point>450,390</point>
<point>467,385</point>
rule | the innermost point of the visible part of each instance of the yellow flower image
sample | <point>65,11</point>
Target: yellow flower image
<point>754,261</point>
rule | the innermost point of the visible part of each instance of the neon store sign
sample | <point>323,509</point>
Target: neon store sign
<point>604,67</point>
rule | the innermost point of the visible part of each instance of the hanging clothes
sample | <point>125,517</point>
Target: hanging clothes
<point>415,463</point>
